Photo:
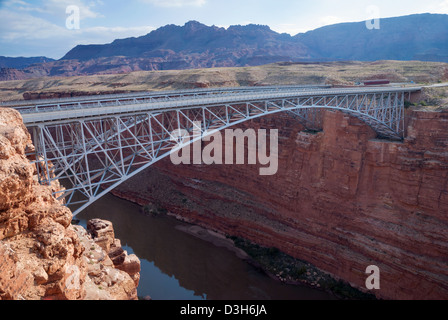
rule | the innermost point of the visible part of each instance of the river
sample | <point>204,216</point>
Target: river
<point>178,266</point>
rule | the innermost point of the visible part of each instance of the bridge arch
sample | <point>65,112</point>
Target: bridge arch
<point>96,152</point>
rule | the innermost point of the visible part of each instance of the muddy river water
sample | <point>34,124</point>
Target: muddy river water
<point>179,266</point>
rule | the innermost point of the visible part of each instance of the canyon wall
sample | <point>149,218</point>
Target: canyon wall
<point>42,255</point>
<point>342,200</point>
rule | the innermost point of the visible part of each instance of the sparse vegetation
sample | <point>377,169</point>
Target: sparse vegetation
<point>435,97</point>
<point>271,74</point>
<point>312,131</point>
<point>291,270</point>
<point>154,210</point>
<point>408,104</point>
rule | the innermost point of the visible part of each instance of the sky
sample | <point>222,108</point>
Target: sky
<point>52,27</point>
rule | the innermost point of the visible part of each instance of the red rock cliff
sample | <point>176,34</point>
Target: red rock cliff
<point>341,200</point>
<point>43,256</point>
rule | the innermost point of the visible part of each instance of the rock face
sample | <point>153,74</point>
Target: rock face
<point>341,200</point>
<point>42,256</point>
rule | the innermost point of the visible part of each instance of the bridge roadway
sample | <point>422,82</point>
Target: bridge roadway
<point>104,108</point>
<point>29,105</point>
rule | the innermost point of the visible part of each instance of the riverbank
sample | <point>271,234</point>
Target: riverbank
<point>271,261</point>
<point>282,267</point>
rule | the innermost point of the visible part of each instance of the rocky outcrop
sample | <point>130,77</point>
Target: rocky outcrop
<point>109,278</point>
<point>104,236</point>
<point>341,200</point>
<point>42,255</point>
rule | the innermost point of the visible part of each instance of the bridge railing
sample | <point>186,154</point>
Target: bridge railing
<point>74,102</point>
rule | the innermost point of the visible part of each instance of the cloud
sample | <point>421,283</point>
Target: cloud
<point>20,5</point>
<point>109,34</point>
<point>23,34</point>
<point>289,28</point>
<point>176,3</point>
<point>329,20</point>
<point>442,7</point>
<point>17,25</point>
<point>86,9</point>
<point>56,8</point>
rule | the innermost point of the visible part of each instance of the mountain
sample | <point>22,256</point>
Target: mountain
<point>415,37</point>
<point>21,62</point>
<point>195,45</point>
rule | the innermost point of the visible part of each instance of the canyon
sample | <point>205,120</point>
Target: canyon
<point>43,256</point>
<point>342,200</point>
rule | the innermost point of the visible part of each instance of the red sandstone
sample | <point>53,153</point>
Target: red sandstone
<point>43,256</point>
<point>341,200</point>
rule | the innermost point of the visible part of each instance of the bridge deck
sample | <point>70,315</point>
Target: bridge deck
<point>147,95</point>
<point>99,109</point>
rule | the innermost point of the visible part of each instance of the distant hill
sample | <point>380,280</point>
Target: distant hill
<point>415,37</point>
<point>21,62</point>
<point>338,73</point>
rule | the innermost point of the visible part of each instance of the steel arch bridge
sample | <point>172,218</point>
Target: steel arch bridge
<point>97,144</point>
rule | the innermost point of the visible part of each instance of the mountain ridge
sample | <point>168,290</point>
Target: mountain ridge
<point>21,62</point>
<point>195,45</point>
<point>412,37</point>
<point>192,38</point>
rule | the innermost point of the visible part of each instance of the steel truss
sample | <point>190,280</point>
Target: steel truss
<point>95,154</point>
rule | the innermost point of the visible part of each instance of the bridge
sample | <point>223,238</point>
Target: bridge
<point>93,144</point>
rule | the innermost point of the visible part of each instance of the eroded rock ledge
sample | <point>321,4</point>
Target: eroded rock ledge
<point>42,255</point>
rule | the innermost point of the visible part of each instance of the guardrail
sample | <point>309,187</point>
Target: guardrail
<point>148,95</point>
